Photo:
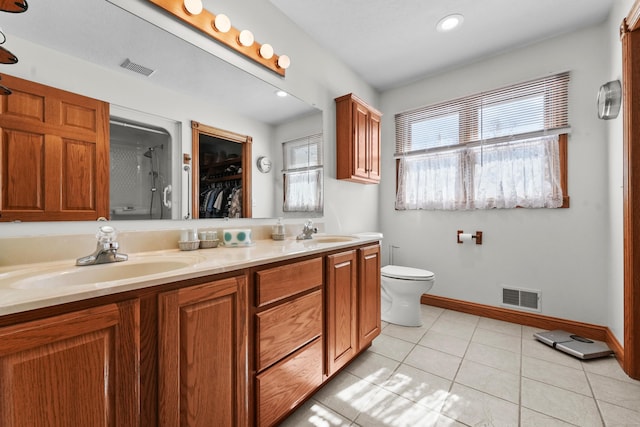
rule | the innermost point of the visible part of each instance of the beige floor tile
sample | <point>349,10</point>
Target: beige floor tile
<point>419,386</point>
<point>617,416</point>
<point>433,361</point>
<point>462,330</point>
<point>534,348</point>
<point>554,374</point>
<point>559,403</point>
<point>372,367</point>
<point>498,340</point>
<point>500,326</point>
<point>459,317</point>
<point>410,334</point>
<point>620,393</point>
<point>498,358</point>
<point>391,347</point>
<point>475,408</point>
<point>446,343</point>
<point>489,380</point>
<point>608,367</point>
<point>347,395</point>
<point>393,410</point>
<point>313,413</point>
<point>529,418</point>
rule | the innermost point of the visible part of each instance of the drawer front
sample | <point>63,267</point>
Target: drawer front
<point>283,386</point>
<point>281,282</point>
<point>287,327</point>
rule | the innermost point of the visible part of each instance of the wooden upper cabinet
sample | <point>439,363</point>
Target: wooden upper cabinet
<point>54,154</point>
<point>357,140</point>
<point>75,369</point>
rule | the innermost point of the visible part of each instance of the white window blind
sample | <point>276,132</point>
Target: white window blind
<point>534,108</point>
<point>303,174</point>
<point>496,149</point>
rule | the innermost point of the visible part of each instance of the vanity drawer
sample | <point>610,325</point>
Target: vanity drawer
<point>280,282</point>
<point>287,327</point>
<point>287,383</point>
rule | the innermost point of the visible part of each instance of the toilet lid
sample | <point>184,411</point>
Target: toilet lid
<point>399,272</point>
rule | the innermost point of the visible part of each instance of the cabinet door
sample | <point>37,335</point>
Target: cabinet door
<point>373,171</point>
<point>369,323</point>
<point>202,358</point>
<point>54,151</point>
<point>360,141</point>
<point>342,310</point>
<point>76,369</point>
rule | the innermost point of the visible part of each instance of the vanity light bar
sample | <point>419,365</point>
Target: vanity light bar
<point>220,29</point>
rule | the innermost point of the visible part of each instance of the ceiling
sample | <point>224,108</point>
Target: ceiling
<point>391,43</point>
<point>388,43</point>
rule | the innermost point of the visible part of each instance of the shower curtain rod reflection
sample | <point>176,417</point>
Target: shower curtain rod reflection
<point>130,125</point>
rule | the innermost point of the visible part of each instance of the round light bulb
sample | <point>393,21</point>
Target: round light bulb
<point>245,38</point>
<point>222,23</point>
<point>449,22</point>
<point>266,51</point>
<point>193,7</point>
<point>284,62</point>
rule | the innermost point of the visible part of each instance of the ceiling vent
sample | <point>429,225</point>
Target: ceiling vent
<point>140,69</point>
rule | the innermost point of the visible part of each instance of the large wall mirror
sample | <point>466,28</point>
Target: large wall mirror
<point>98,49</point>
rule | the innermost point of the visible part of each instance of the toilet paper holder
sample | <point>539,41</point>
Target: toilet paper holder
<point>477,236</point>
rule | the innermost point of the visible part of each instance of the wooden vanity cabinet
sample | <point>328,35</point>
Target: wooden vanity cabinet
<point>74,369</point>
<point>289,337</point>
<point>353,304</point>
<point>202,355</point>
<point>342,309</point>
<point>369,297</point>
<point>357,140</point>
<point>54,154</point>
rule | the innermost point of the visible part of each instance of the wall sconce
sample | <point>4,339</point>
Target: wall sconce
<point>219,28</point>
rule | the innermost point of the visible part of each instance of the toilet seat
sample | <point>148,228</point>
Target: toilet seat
<point>406,273</point>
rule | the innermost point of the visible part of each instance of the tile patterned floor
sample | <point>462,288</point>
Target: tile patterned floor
<point>464,370</point>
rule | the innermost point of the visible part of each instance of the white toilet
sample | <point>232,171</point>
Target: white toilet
<point>401,291</point>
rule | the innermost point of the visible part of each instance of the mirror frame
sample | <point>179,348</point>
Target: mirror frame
<point>198,129</point>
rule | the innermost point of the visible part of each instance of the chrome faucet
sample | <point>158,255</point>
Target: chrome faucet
<point>307,231</point>
<point>106,250</point>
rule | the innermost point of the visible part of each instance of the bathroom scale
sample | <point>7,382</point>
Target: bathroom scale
<point>575,345</point>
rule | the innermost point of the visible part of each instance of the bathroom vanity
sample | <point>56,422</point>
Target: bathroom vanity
<point>225,336</point>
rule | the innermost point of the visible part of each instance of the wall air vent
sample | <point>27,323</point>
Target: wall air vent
<point>140,69</point>
<point>521,298</point>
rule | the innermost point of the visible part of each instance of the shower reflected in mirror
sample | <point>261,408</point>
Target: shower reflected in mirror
<point>140,170</point>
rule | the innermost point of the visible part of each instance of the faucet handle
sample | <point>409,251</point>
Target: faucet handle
<point>106,234</point>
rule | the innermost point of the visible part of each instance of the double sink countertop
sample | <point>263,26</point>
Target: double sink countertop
<point>31,286</point>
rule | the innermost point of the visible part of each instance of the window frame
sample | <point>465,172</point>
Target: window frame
<point>469,109</point>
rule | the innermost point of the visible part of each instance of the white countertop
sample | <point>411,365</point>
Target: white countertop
<point>29,286</point>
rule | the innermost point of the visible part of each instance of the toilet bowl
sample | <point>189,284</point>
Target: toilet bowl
<point>402,288</point>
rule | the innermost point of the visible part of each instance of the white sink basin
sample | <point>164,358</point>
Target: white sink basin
<point>74,276</point>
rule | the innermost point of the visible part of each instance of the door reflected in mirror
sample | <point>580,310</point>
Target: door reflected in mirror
<point>221,173</point>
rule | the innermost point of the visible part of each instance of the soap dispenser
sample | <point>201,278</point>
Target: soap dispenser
<point>277,231</point>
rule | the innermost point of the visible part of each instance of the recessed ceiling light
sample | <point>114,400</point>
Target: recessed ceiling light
<point>281,93</point>
<point>449,22</point>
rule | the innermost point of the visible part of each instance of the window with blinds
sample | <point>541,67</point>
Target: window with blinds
<point>303,174</point>
<point>493,149</point>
